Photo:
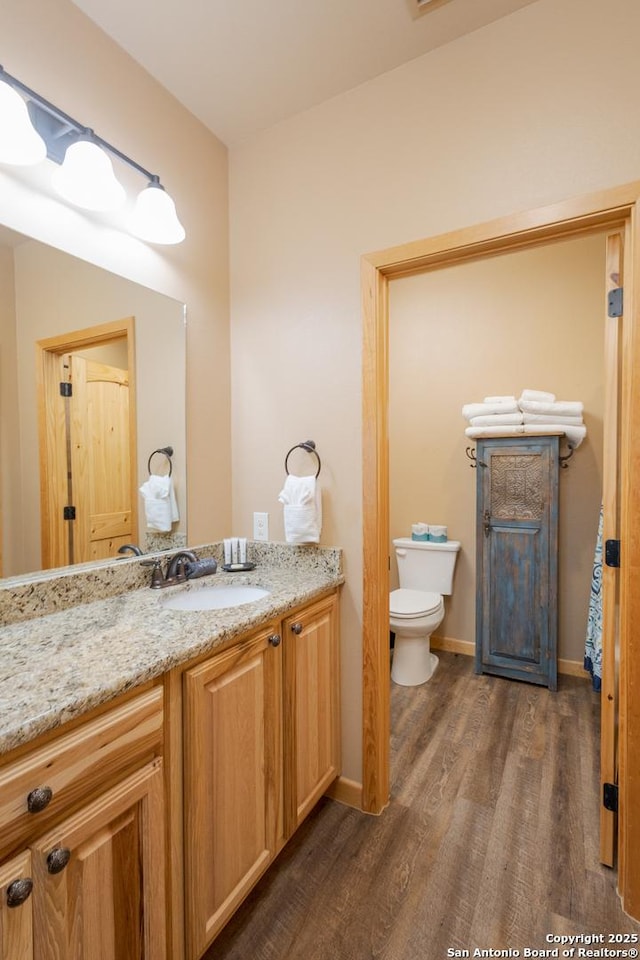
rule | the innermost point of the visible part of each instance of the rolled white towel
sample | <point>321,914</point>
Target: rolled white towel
<point>497,419</point>
<point>560,408</point>
<point>574,434</point>
<point>471,410</point>
<point>508,399</point>
<point>507,431</point>
<point>539,396</point>
<point>544,418</point>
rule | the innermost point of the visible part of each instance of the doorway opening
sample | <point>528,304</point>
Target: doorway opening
<point>87,429</point>
<point>615,210</point>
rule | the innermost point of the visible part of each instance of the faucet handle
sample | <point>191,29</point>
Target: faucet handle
<point>156,574</point>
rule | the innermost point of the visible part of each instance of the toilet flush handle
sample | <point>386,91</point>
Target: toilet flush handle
<point>401,552</point>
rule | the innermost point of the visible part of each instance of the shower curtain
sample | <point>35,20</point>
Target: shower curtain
<point>593,644</point>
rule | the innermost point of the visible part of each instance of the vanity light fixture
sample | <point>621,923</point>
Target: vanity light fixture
<point>86,178</point>
<point>20,145</point>
<point>32,128</point>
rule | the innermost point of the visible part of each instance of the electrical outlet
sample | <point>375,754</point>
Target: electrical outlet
<point>261,526</point>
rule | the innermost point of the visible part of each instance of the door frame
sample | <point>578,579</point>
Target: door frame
<point>48,353</point>
<point>612,209</point>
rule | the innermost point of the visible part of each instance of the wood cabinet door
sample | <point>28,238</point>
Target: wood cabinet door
<point>517,558</point>
<point>16,914</point>
<point>233,773</point>
<point>99,877</point>
<point>312,708</point>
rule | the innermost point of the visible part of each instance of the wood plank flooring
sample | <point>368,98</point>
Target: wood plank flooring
<point>490,840</point>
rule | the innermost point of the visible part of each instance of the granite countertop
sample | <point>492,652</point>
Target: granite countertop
<point>59,666</point>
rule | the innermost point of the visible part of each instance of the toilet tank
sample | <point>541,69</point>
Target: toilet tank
<point>426,566</point>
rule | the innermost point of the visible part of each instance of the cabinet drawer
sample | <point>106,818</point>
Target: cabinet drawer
<point>51,779</point>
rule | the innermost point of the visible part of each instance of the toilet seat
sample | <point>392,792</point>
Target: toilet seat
<point>407,604</point>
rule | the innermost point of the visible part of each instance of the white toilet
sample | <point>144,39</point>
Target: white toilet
<point>416,609</point>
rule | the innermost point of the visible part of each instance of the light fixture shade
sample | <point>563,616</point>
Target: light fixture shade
<point>19,143</point>
<point>86,178</point>
<point>154,217</point>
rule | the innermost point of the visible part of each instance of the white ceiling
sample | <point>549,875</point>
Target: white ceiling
<point>242,65</point>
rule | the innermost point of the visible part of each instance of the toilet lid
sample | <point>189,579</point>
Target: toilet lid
<point>413,603</point>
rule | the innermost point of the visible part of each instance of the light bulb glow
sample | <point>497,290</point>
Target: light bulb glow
<point>86,178</point>
<point>154,217</point>
<point>20,145</point>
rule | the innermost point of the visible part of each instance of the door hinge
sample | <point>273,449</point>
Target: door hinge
<point>69,513</point>
<point>610,796</point>
<point>612,553</point>
<point>614,302</point>
<point>66,389</point>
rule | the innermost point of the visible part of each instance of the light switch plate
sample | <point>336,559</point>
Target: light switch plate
<point>260,526</point>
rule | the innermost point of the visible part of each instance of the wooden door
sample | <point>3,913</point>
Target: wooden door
<point>16,915</point>
<point>99,877</point>
<point>233,772</point>
<point>100,463</point>
<point>312,708</point>
<point>611,475</point>
<point>517,545</point>
<point>98,537</point>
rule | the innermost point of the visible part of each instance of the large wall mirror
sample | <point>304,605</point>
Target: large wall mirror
<point>51,301</point>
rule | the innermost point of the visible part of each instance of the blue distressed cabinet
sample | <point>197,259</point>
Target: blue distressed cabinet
<point>517,558</point>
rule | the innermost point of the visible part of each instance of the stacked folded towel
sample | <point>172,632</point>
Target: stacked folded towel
<point>495,416</point>
<point>534,412</point>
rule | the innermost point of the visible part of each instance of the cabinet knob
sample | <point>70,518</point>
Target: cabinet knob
<point>297,628</point>
<point>39,798</point>
<point>58,859</point>
<point>19,891</point>
<point>274,639</point>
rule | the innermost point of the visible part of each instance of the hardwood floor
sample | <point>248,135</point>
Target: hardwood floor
<point>490,839</point>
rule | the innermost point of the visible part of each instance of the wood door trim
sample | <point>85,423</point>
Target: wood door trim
<point>49,349</point>
<point>611,209</point>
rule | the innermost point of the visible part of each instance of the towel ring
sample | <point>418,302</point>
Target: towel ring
<point>310,447</point>
<point>166,452</point>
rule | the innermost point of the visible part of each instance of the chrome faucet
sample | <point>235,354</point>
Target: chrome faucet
<point>175,571</point>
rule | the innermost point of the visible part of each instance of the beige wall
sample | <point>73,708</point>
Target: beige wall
<point>57,294</point>
<point>53,48</point>
<point>519,114</point>
<point>528,319</point>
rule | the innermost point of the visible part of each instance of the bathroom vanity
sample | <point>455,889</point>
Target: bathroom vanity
<point>138,811</point>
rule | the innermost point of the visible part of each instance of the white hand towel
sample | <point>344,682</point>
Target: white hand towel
<point>471,410</point>
<point>574,435</point>
<point>507,399</point>
<point>302,502</point>
<point>539,396</point>
<point>550,418</point>
<point>160,506</point>
<point>508,431</point>
<point>560,408</point>
<point>496,419</point>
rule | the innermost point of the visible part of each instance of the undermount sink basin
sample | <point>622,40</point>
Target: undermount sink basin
<point>214,598</point>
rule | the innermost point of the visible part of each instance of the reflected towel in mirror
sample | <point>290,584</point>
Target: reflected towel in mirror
<point>160,505</point>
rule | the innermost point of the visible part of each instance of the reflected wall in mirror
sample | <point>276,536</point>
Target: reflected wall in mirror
<point>46,294</point>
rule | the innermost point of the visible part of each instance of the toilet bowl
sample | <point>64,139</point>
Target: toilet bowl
<point>413,616</point>
<point>416,609</point>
